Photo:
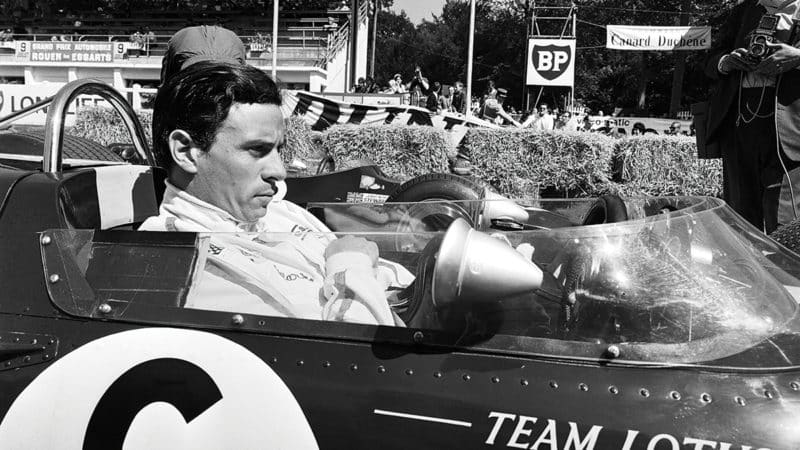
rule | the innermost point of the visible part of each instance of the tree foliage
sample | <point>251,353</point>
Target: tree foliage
<point>605,78</point>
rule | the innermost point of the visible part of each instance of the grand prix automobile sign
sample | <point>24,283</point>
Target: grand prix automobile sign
<point>551,62</point>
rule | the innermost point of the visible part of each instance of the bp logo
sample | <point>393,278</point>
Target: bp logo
<point>551,61</point>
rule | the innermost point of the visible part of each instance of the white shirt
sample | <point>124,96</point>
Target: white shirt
<point>544,123</point>
<point>274,266</point>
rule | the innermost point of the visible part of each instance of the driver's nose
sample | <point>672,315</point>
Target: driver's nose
<point>273,168</point>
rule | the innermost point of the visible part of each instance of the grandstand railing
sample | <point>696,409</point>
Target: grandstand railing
<point>302,48</point>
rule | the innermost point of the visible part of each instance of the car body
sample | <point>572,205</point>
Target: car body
<point>677,328</point>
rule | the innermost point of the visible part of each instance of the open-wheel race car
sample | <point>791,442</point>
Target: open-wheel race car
<point>659,323</point>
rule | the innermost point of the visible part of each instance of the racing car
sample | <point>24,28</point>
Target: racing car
<point>666,323</point>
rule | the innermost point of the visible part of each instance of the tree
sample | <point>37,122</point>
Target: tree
<point>637,81</point>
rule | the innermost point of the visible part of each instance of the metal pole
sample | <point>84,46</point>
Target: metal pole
<point>275,41</point>
<point>525,61</point>
<point>354,23</point>
<point>469,57</point>
<point>374,38</point>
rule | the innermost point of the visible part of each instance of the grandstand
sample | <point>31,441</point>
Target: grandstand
<point>45,44</point>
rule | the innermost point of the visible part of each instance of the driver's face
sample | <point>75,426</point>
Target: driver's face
<point>239,171</point>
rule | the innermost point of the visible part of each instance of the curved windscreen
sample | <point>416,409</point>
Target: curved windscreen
<point>684,280</point>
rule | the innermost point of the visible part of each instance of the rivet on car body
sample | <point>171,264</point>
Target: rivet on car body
<point>795,386</point>
<point>613,389</point>
<point>55,278</point>
<point>705,398</point>
<point>104,308</point>
<point>740,401</point>
<point>769,394</point>
<point>553,384</point>
<point>523,382</point>
<point>437,374</point>
<point>613,351</point>
<point>644,392</point>
<point>261,323</point>
<point>583,387</point>
<point>300,363</point>
<point>418,337</point>
<point>381,369</point>
<point>353,367</point>
<point>26,359</point>
<point>46,240</point>
<point>495,380</point>
<point>326,364</point>
<point>34,341</point>
<point>466,377</point>
<point>237,319</point>
<point>675,395</point>
<point>409,371</point>
<point>273,360</point>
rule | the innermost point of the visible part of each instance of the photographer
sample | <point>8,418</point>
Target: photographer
<point>754,111</point>
<point>420,89</point>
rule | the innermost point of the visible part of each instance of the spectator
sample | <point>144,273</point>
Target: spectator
<point>201,43</point>
<point>566,122</point>
<point>491,92</point>
<point>458,98</point>
<point>420,88</point>
<point>371,86</point>
<point>674,129</point>
<point>493,111</point>
<point>544,121</point>
<point>638,129</point>
<point>432,102</point>
<point>361,86</point>
<point>446,100</point>
<point>587,123</point>
<point>400,89</point>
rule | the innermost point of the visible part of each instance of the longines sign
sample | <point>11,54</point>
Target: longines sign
<point>624,37</point>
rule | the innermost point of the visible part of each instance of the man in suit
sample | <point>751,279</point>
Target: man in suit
<point>754,112</point>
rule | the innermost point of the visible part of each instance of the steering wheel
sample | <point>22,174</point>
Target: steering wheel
<point>59,104</point>
<point>608,208</point>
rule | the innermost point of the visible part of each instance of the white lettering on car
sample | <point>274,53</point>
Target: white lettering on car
<point>520,429</point>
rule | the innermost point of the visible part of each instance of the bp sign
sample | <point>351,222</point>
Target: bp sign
<point>551,62</point>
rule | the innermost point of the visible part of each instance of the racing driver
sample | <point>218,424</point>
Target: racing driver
<point>218,129</point>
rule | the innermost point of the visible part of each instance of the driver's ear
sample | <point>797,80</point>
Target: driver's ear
<point>184,151</point>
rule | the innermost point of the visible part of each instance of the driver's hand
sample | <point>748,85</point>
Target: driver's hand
<point>351,245</point>
<point>739,59</point>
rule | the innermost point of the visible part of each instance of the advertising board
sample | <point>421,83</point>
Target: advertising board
<point>15,97</point>
<point>651,125</point>
<point>629,37</point>
<point>71,52</point>
<point>551,62</point>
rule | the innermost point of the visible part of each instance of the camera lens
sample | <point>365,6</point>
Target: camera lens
<point>758,49</point>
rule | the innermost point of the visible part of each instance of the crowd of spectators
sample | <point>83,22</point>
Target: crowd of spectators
<point>491,107</point>
<point>434,96</point>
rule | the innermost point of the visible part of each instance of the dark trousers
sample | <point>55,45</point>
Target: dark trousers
<point>751,163</point>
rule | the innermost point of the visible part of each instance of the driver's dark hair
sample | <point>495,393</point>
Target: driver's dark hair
<point>198,98</point>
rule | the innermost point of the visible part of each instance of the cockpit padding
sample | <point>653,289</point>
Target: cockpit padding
<point>111,196</point>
